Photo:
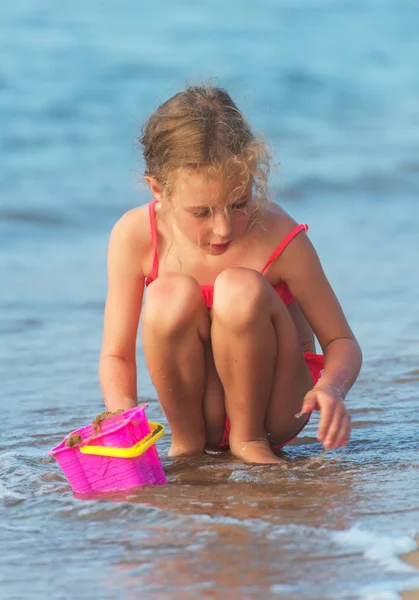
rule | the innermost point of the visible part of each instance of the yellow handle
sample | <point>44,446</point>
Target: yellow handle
<point>157,430</point>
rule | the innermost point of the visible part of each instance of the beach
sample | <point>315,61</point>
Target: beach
<point>412,559</point>
<point>343,121</point>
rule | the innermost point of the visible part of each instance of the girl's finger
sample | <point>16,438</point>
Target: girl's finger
<point>343,437</point>
<point>308,406</point>
<point>335,427</point>
<point>326,415</point>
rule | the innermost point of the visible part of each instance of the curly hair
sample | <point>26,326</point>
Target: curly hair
<point>202,127</point>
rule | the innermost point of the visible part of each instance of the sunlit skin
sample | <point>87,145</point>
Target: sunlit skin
<point>244,357</point>
<point>210,213</point>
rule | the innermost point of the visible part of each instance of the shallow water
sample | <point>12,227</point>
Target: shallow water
<point>344,119</point>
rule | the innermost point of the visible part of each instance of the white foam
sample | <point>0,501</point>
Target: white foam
<point>383,549</point>
<point>380,591</point>
<point>242,477</point>
<point>282,588</point>
<point>379,595</point>
<point>6,494</point>
<point>11,472</point>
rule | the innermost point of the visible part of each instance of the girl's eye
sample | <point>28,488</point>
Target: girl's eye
<point>238,206</point>
<point>206,213</point>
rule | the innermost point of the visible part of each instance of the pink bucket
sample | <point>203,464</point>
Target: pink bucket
<point>123,455</point>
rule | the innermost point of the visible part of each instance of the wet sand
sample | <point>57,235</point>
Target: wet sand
<point>412,559</point>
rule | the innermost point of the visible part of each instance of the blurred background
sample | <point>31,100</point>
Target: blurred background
<point>334,86</point>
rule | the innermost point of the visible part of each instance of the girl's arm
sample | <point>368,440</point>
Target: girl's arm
<point>342,364</point>
<point>302,271</point>
<point>117,367</point>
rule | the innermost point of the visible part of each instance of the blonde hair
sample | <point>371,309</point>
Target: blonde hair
<point>202,127</point>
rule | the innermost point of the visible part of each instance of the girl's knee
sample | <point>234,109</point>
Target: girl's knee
<point>240,296</point>
<point>171,302</point>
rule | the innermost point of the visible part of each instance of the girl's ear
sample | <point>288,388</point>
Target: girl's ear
<point>155,187</point>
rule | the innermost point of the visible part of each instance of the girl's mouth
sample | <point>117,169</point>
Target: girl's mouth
<point>220,247</point>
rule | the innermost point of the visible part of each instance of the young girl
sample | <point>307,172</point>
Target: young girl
<point>235,294</point>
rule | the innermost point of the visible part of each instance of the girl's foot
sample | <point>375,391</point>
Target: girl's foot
<point>184,450</point>
<point>255,452</point>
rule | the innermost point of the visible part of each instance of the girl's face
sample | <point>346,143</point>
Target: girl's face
<point>211,212</point>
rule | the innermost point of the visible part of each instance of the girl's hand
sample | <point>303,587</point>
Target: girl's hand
<point>335,422</point>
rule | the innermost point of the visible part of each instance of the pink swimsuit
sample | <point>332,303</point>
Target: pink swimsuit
<point>315,362</point>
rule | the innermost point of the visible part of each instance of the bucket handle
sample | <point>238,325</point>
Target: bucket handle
<point>157,430</point>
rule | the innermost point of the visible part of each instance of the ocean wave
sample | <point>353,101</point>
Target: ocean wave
<point>370,183</point>
<point>36,218</point>
<point>384,549</point>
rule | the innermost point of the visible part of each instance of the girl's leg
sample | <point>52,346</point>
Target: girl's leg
<point>175,327</point>
<point>214,403</point>
<point>258,355</point>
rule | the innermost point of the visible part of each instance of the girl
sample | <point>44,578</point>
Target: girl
<point>236,294</point>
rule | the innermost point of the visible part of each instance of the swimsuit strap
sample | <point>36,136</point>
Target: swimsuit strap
<point>284,244</point>
<point>153,227</point>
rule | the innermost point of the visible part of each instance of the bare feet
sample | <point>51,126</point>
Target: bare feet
<point>255,452</point>
<point>184,450</point>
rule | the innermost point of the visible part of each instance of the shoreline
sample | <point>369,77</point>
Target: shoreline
<point>412,558</point>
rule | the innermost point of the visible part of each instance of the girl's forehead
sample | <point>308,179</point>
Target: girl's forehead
<point>192,185</point>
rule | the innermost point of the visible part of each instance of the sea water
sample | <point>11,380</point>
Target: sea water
<point>334,87</point>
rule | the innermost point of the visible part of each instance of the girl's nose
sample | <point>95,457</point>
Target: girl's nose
<point>221,225</point>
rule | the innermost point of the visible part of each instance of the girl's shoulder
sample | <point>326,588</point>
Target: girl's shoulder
<point>285,242</point>
<point>134,224</point>
<point>276,222</point>
<point>130,239</point>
